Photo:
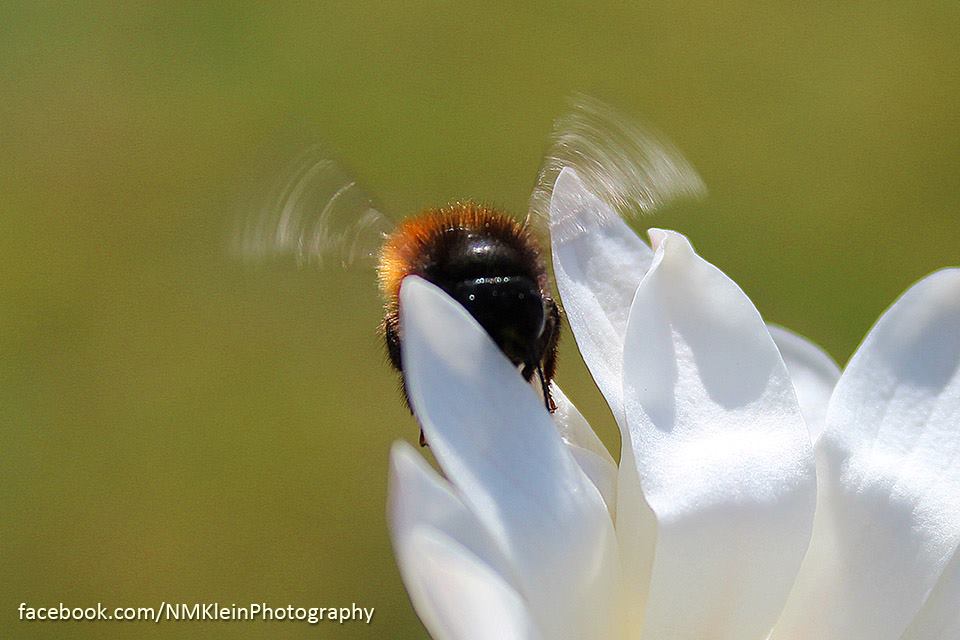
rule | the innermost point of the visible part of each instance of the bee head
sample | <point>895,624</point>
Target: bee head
<point>510,309</point>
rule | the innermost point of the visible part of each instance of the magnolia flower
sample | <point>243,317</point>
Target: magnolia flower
<point>730,516</point>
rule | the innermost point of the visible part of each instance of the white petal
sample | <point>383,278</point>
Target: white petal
<point>813,372</point>
<point>586,448</point>
<point>490,433</point>
<point>574,428</point>
<point>721,448</point>
<point>597,272</point>
<point>458,580</point>
<point>939,619</point>
<point>456,595</point>
<point>601,473</point>
<point>888,518</point>
<point>636,535</point>
<point>420,498</point>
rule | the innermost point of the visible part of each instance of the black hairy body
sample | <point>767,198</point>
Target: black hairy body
<point>491,265</point>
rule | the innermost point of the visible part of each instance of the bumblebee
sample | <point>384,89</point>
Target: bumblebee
<point>489,263</point>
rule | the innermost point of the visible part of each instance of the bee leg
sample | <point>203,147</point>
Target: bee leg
<point>527,373</point>
<point>547,398</point>
<point>390,329</point>
<point>549,364</point>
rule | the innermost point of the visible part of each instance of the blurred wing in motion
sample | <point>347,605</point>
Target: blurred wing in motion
<point>318,215</point>
<point>633,169</point>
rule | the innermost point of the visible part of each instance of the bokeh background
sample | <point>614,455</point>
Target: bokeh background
<point>177,425</point>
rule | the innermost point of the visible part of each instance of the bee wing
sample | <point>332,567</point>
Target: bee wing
<point>317,214</point>
<point>632,168</point>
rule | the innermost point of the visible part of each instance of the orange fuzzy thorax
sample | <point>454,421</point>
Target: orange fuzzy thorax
<point>404,247</point>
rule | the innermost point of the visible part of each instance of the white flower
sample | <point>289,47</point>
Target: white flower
<point>722,521</point>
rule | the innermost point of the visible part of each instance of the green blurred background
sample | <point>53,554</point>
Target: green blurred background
<point>179,426</point>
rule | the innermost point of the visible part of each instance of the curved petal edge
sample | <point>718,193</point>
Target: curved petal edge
<point>721,450</point>
<point>888,518</point>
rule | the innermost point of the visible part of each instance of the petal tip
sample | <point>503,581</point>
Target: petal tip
<point>575,209</point>
<point>668,240</point>
<point>412,288</point>
<point>402,454</point>
<point>567,190</point>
